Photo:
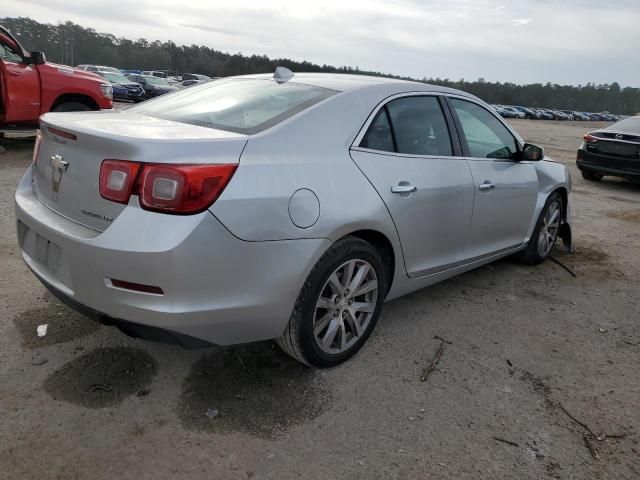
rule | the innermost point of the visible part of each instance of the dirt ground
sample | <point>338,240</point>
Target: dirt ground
<point>85,401</point>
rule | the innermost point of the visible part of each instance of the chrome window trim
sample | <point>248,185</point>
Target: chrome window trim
<point>403,155</point>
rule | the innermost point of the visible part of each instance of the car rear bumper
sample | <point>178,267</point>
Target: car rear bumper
<point>608,165</point>
<point>216,287</point>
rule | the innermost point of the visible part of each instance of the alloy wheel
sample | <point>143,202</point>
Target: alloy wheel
<point>345,306</point>
<point>549,231</point>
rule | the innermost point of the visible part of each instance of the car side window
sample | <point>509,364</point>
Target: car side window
<point>379,136</point>
<point>486,136</point>
<point>412,125</point>
<point>8,55</point>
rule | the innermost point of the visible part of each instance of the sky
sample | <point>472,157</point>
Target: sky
<point>521,41</point>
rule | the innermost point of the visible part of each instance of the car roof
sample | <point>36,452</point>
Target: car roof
<point>346,82</point>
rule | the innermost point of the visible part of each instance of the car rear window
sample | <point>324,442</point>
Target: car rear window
<point>236,105</point>
<point>629,125</point>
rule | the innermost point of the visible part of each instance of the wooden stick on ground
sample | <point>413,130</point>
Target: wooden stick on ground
<point>508,442</point>
<point>434,363</point>
<point>582,424</point>
<point>591,447</point>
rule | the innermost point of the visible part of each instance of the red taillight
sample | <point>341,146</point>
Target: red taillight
<point>117,178</point>
<point>168,188</point>
<point>588,138</point>
<point>182,188</point>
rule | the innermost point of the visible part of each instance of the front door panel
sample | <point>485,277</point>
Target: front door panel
<point>502,214</point>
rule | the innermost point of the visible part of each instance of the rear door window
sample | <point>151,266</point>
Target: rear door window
<point>379,136</point>
<point>410,125</point>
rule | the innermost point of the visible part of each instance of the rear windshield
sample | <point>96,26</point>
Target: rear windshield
<point>628,125</point>
<point>240,105</point>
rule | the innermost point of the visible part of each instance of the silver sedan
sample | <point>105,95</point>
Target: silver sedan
<point>286,206</point>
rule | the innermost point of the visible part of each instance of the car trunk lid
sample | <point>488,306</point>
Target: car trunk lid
<point>73,145</point>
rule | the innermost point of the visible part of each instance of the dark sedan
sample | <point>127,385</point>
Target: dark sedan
<point>123,88</point>
<point>153,86</point>
<point>613,150</point>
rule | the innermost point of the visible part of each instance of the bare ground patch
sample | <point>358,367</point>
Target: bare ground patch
<point>103,377</point>
<point>63,325</point>
<point>255,389</point>
<point>626,215</point>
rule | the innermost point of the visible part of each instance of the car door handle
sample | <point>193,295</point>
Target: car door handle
<point>486,186</point>
<point>403,188</point>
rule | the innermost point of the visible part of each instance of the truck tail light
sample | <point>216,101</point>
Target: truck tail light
<point>588,138</point>
<point>167,188</point>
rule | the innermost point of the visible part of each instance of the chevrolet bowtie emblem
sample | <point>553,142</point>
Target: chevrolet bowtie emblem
<point>58,167</point>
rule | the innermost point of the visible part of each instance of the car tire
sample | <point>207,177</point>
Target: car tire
<point>593,176</point>
<point>311,321</point>
<point>547,225</point>
<point>71,107</point>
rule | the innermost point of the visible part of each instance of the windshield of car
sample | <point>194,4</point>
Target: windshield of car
<point>156,80</point>
<point>108,69</point>
<point>237,105</point>
<point>630,125</point>
<point>115,77</point>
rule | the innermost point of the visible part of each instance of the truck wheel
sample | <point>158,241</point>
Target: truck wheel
<point>71,107</point>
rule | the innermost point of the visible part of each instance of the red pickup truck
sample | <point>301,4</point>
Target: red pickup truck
<point>29,86</point>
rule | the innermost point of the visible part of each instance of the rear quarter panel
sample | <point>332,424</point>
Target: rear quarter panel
<point>309,151</point>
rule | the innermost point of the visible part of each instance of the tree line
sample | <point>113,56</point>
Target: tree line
<point>72,44</point>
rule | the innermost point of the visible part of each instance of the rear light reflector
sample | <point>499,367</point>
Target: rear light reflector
<point>137,287</point>
<point>117,179</point>
<point>60,133</point>
<point>588,138</point>
<point>167,188</point>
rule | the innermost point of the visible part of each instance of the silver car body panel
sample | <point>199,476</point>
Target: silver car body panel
<point>217,268</point>
<point>180,254</point>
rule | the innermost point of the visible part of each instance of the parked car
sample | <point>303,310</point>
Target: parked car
<point>512,112</point>
<point>155,73</point>
<point>195,76</point>
<point>191,83</point>
<point>612,150</point>
<point>123,88</point>
<point>31,86</point>
<point>528,112</point>
<point>544,115</point>
<point>99,68</point>
<point>289,207</point>
<point>580,116</point>
<point>152,86</point>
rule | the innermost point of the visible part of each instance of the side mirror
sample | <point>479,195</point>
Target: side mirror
<point>38,58</point>
<point>532,152</point>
